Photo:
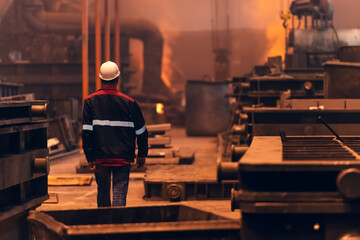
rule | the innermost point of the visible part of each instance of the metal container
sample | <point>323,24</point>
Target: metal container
<point>342,79</point>
<point>155,222</point>
<point>349,54</point>
<point>207,108</point>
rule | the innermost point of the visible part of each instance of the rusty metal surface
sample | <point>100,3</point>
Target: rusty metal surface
<point>15,112</point>
<point>307,129</point>
<point>160,222</point>
<point>266,154</point>
<point>327,149</point>
<point>341,79</point>
<point>207,108</point>
<point>300,117</point>
<point>320,104</point>
<point>188,190</point>
<point>23,164</point>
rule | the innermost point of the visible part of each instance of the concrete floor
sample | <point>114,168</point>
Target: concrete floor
<point>204,167</point>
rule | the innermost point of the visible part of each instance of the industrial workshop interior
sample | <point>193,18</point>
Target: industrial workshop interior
<point>246,113</point>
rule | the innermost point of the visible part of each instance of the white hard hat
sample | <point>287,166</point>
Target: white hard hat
<point>109,71</point>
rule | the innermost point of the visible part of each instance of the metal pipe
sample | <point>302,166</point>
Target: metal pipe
<point>61,23</point>
<point>237,152</point>
<point>85,53</point>
<point>347,183</point>
<point>97,43</point>
<point>41,165</point>
<point>140,29</point>
<point>117,36</point>
<point>39,110</point>
<point>227,171</point>
<point>107,30</point>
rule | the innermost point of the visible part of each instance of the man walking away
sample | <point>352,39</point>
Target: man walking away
<point>112,122</point>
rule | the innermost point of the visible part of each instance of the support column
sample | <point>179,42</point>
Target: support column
<point>107,29</point>
<point>97,43</point>
<point>85,53</point>
<point>117,37</point>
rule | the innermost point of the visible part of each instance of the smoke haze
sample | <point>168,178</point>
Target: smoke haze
<point>257,32</point>
<point>190,15</point>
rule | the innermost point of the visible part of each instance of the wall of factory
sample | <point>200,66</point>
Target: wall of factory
<point>186,26</point>
<point>192,56</point>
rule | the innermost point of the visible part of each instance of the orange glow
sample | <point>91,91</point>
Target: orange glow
<point>267,13</point>
<point>276,36</point>
<point>166,69</point>
<point>160,108</point>
<point>166,65</point>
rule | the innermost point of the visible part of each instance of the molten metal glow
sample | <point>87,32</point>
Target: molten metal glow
<point>166,69</point>
<point>167,65</point>
<point>266,13</point>
<point>160,108</point>
<point>275,34</point>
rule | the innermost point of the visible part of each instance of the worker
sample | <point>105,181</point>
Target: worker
<point>112,123</point>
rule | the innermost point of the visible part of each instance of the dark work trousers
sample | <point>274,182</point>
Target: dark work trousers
<point>120,185</point>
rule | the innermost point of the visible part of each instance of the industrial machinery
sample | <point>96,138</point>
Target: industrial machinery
<point>297,116</point>
<point>24,165</point>
<point>310,72</point>
<point>303,187</point>
<point>296,180</point>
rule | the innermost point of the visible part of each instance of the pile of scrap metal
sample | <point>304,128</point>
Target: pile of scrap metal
<point>272,99</point>
<point>303,187</point>
<point>24,165</point>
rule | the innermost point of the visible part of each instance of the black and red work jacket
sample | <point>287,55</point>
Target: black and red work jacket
<point>112,122</point>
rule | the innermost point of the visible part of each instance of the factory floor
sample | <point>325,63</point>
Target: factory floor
<point>204,167</point>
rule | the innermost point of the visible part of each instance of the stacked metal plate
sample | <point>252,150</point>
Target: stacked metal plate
<point>23,164</point>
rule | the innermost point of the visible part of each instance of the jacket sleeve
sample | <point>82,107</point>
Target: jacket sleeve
<point>140,131</point>
<point>87,132</point>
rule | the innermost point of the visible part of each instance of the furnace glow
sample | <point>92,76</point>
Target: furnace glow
<point>266,13</point>
<point>160,108</point>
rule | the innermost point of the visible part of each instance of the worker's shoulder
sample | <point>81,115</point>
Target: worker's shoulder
<point>110,92</point>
